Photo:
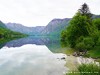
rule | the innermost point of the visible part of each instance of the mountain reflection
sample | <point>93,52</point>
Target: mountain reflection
<point>52,43</point>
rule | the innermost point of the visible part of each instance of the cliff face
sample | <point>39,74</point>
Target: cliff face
<point>55,26</point>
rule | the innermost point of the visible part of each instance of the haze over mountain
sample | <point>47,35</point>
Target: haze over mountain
<point>53,28</point>
<point>23,29</point>
<point>95,16</point>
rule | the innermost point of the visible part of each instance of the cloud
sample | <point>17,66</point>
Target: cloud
<point>40,12</point>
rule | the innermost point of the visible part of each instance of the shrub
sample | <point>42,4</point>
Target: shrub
<point>85,43</point>
<point>89,69</point>
<point>86,69</point>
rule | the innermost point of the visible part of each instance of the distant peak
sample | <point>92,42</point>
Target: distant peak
<point>57,19</point>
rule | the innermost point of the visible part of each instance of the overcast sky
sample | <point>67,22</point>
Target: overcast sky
<point>41,12</point>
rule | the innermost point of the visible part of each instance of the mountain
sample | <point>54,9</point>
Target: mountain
<point>55,26</point>
<point>95,16</point>
<point>7,33</point>
<point>2,25</point>
<point>52,43</point>
<point>23,29</point>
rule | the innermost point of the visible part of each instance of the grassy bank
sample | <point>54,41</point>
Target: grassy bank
<point>86,69</point>
<point>93,53</point>
<point>8,35</point>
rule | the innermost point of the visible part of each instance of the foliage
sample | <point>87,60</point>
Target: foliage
<point>97,23</point>
<point>86,69</point>
<point>98,42</point>
<point>92,68</point>
<point>85,43</point>
<point>94,52</point>
<point>6,33</point>
<point>85,10</point>
<point>82,33</point>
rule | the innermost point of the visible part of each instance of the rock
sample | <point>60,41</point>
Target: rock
<point>63,58</point>
<point>75,54</point>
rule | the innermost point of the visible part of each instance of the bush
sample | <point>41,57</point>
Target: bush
<point>89,42</point>
<point>85,43</point>
<point>89,69</point>
<point>86,69</point>
<point>97,23</point>
<point>81,46</point>
<point>98,42</point>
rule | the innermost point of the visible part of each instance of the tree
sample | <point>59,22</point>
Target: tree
<point>97,23</point>
<point>81,26</point>
<point>84,10</point>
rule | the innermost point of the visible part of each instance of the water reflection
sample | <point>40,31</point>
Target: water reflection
<point>35,56</point>
<point>30,60</point>
<point>51,42</point>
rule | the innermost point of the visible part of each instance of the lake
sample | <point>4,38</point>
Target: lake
<point>30,56</point>
<point>36,56</point>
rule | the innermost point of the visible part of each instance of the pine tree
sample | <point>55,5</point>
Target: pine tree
<point>84,10</point>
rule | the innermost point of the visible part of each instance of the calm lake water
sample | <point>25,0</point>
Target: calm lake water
<point>31,56</point>
<point>36,56</point>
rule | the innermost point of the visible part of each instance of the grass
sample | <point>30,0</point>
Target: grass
<point>86,69</point>
<point>89,69</point>
<point>98,60</point>
<point>69,51</point>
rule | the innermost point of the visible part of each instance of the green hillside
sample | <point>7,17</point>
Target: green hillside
<point>8,34</point>
<point>2,25</point>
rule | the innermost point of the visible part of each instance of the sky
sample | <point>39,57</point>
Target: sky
<point>33,13</point>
